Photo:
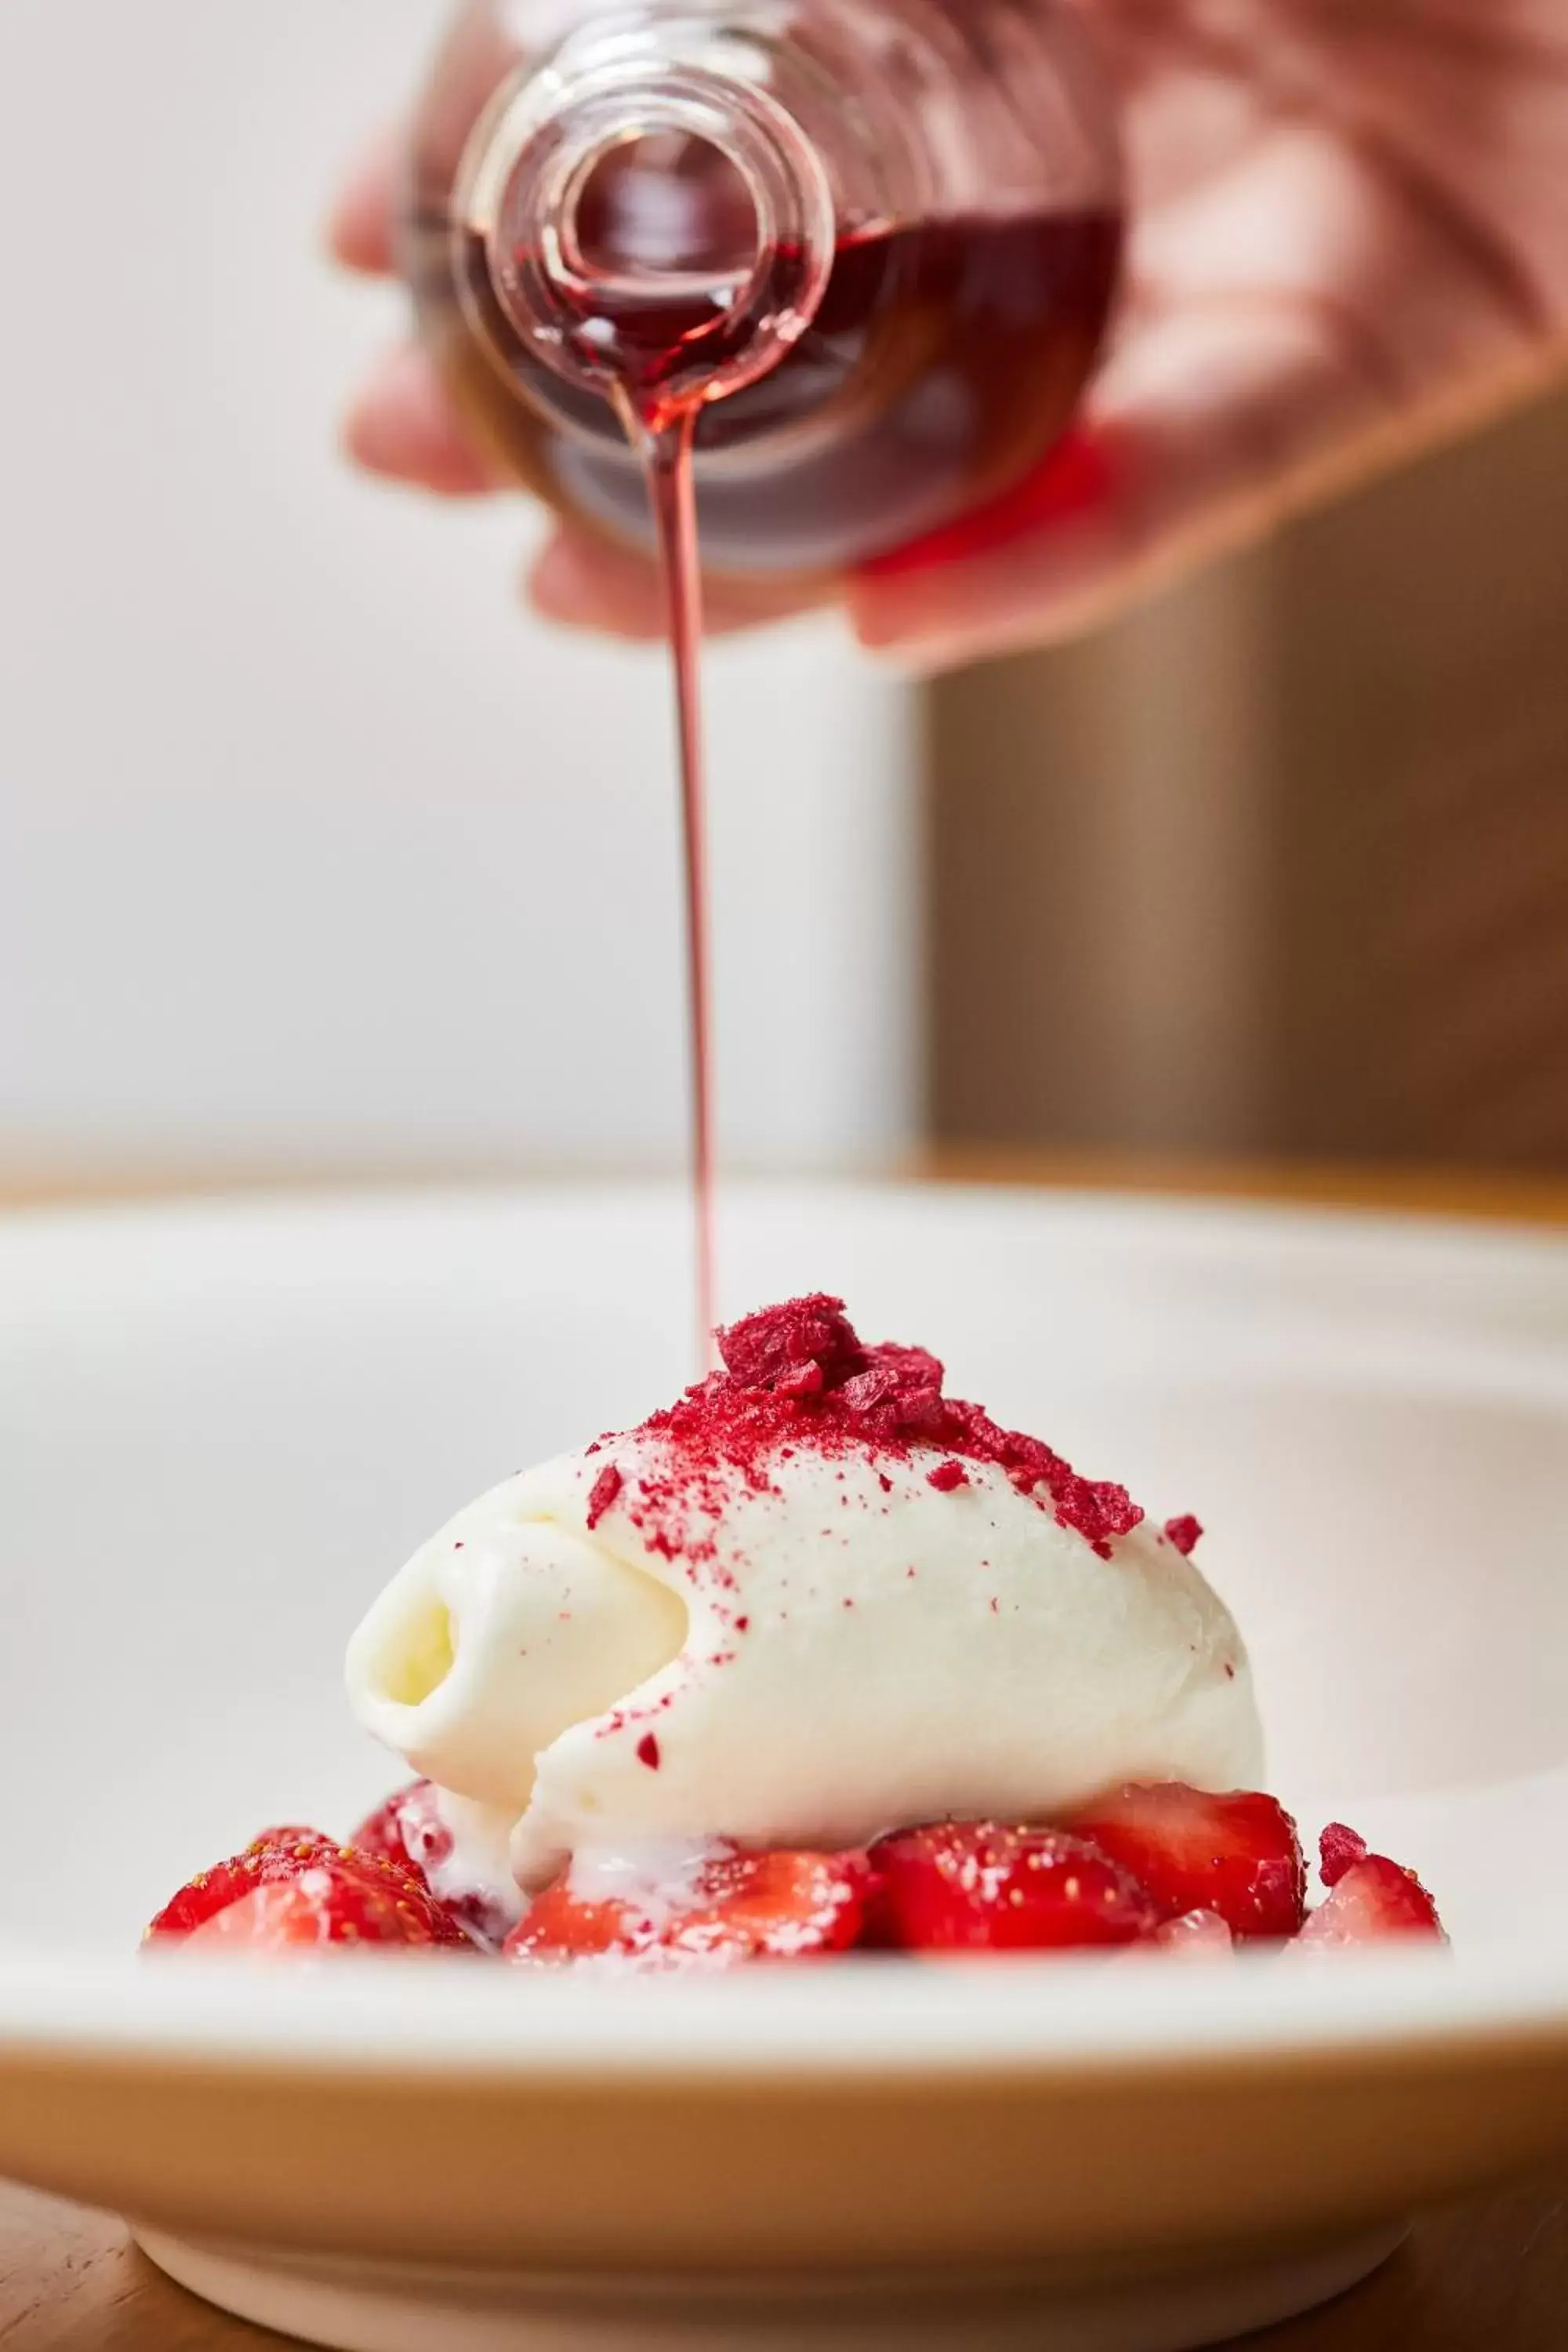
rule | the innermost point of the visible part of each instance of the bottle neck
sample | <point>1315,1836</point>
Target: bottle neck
<point>657,226</point>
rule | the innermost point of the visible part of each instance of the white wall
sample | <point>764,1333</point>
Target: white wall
<point>312,849</point>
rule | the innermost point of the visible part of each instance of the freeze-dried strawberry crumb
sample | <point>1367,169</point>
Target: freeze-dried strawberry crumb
<point>648,1752</point>
<point>947,1477</point>
<point>797,1378</point>
<point>605,1489</point>
<point>775,1347</point>
<point>1186,1533</point>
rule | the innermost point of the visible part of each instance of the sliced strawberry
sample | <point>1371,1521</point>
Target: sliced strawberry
<point>343,1898</point>
<point>1236,1854</point>
<point>741,1906</point>
<point>982,1886</point>
<point>282,1858</point>
<point>278,1853</point>
<point>1372,1900</point>
<point>409,1833</point>
<point>407,1830</point>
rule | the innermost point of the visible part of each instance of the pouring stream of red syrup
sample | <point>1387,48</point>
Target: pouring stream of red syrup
<point>673,491</point>
<point>666,445</point>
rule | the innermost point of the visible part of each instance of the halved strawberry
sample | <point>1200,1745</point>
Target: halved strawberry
<point>275,1854</point>
<point>740,1906</point>
<point>1237,1854</point>
<point>983,1886</point>
<point>1372,1900</point>
<point>407,1830</point>
<point>343,1898</point>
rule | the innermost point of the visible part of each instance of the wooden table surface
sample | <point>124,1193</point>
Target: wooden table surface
<point>1492,2277</point>
<point>1487,2278</point>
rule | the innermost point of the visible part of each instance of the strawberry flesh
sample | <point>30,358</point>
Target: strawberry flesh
<point>1372,1900</point>
<point>743,1906</point>
<point>1341,1849</point>
<point>1198,1935</point>
<point>275,1854</point>
<point>344,1899</point>
<point>409,1831</point>
<point>1238,1856</point>
<point>359,1887</point>
<point>986,1886</point>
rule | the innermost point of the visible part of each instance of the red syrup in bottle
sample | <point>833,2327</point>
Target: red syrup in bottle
<point>658,288</point>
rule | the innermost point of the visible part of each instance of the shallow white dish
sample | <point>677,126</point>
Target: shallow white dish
<point>220,1427</point>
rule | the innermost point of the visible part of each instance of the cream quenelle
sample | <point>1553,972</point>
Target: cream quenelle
<point>816,1600</point>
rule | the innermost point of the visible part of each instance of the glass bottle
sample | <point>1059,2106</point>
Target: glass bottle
<point>874,242</point>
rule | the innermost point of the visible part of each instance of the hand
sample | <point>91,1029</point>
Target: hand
<point>1348,245</point>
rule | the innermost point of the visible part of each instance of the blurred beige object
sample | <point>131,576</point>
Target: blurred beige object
<point>1279,864</point>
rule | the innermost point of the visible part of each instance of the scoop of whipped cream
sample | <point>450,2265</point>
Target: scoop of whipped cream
<point>814,1601</point>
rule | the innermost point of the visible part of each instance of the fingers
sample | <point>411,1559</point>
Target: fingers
<point>360,222</point>
<point>1208,431</point>
<point>584,583</point>
<point>402,426</point>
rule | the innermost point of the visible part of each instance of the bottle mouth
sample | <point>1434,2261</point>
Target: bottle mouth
<point>662,237</point>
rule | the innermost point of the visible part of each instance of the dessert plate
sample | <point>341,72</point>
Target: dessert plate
<point>222,1426</point>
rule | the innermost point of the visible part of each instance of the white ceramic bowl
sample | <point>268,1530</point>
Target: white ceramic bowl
<point>221,1428</point>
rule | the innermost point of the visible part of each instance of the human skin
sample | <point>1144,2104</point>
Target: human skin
<point>1348,245</point>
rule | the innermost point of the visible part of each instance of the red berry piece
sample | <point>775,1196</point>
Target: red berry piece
<point>1236,1854</point>
<point>773,1348</point>
<point>407,1830</point>
<point>409,1833</point>
<point>1340,1849</point>
<point>603,1494</point>
<point>275,1854</point>
<point>344,1900</point>
<point>743,1906</point>
<point>981,1887</point>
<point>1372,1901</point>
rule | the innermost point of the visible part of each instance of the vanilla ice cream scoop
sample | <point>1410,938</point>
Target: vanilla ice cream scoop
<point>816,1601</point>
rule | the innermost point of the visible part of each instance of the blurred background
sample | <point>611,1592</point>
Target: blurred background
<point>318,857</point>
<point>316,853</point>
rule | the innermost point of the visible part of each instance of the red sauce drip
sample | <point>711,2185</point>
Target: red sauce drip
<point>797,1376</point>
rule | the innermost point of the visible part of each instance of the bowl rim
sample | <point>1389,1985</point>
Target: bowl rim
<point>1061,2017</point>
<point>860,2020</point>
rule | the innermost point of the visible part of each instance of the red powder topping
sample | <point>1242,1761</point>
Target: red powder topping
<point>607,1488</point>
<point>1186,1533</point>
<point>648,1752</point>
<point>947,1477</point>
<point>797,1349</point>
<point>1341,1849</point>
<point>797,1378</point>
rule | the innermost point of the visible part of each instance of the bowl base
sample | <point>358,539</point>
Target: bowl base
<point>358,2306</point>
